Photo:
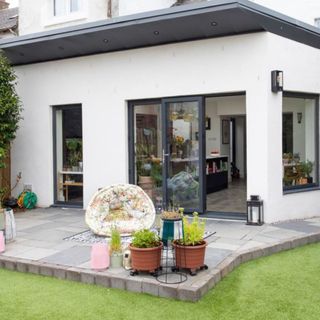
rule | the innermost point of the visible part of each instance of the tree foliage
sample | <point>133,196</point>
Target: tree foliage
<point>10,107</point>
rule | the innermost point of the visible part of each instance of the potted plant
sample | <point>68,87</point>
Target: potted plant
<point>171,225</point>
<point>144,167</point>
<point>145,252</point>
<point>74,147</point>
<point>190,249</point>
<point>116,256</point>
<point>307,168</point>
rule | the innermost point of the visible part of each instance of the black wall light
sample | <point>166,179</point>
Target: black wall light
<point>276,81</point>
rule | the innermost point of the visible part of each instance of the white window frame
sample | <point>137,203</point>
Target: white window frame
<point>49,19</point>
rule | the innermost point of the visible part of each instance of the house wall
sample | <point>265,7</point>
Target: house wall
<point>37,15</point>
<point>135,6</point>
<point>103,83</point>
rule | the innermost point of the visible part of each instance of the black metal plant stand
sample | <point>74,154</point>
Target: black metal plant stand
<point>169,274</point>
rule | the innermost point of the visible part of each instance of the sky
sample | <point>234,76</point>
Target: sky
<point>13,3</point>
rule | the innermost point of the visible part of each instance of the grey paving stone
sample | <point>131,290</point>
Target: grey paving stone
<point>60,273</point>
<point>118,282</point>
<point>34,268</point>
<point>214,256</point>
<point>88,277</point>
<point>150,286</point>
<point>189,294</point>
<point>300,226</point>
<point>134,284</point>
<point>21,266</point>
<point>46,270</point>
<point>102,280</point>
<point>43,227</point>
<point>168,291</point>
<point>73,274</point>
<point>71,257</point>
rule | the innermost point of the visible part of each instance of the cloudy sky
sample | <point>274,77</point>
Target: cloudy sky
<point>13,3</point>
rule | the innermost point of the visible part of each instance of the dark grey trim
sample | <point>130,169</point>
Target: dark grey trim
<point>182,23</point>
<point>54,136</point>
<point>131,134</point>
<point>314,186</point>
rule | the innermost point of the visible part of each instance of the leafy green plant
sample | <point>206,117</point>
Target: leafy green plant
<point>10,115</point>
<point>306,168</point>
<point>145,239</point>
<point>115,243</point>
<point>193,232</point>
<point>74,146</point>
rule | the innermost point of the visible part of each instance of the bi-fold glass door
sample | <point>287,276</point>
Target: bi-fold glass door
<point>166,143</point>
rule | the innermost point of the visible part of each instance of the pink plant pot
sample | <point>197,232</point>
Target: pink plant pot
<point>100,259</point>
<point>2,242</point>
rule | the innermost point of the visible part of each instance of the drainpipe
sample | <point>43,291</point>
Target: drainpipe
<point>109,13</point>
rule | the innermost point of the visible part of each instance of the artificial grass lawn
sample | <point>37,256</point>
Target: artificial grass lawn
<point>282,286</point>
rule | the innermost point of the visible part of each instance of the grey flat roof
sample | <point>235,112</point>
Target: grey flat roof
<point>182,23</point>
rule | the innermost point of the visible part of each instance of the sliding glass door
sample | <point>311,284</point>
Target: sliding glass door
<point>167,151</point>
<point>68,164</point>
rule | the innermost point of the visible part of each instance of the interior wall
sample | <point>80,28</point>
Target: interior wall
<point>218,109</point>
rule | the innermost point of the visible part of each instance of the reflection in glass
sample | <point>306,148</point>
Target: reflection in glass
<point>148,151</point>
<point>69,164</point>
<point>299,142</point>
<point>183,171</point>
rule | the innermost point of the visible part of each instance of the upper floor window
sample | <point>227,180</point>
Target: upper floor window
<point>65,7</point>
<point>317,22</point>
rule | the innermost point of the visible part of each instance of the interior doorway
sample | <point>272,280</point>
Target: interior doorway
<point>226,163</point>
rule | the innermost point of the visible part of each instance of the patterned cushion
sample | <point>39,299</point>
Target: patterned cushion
<point>124,206</point>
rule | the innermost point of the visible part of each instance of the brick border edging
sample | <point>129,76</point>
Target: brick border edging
<point>183,292</point>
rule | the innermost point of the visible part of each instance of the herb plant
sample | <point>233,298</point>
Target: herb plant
<point>145,239</point>
<point>193,232</point>
<point>115,243</point>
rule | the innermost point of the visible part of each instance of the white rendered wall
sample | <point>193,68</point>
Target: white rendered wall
<point>103,83</point>
<point>127,7</point>
<point>37,15</point>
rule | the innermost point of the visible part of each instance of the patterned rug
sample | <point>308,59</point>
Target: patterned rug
<point>88,237</point>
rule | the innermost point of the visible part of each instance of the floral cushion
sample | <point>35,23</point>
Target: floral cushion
<point>124,206</point>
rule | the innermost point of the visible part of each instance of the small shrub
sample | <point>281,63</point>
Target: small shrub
<point>145,239</point>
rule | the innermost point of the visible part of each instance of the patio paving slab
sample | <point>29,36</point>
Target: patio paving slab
<point>40,248</point>
<point>71,257</point>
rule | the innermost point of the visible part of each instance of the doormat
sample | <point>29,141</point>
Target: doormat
<point>88,237</point>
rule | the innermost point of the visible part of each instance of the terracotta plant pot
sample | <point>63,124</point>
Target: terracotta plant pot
<point>146,183</point>
<point>146,259</point>
<point>190,257</point>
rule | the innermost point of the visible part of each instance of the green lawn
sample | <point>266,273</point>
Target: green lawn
<point>282,286</point>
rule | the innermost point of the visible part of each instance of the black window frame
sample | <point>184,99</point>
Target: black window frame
<point>315,185</point>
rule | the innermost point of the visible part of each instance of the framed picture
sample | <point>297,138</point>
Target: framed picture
<point>208,123</point>
<point>225,131</point>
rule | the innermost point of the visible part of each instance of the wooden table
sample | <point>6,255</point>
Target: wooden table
<point>64,185</point>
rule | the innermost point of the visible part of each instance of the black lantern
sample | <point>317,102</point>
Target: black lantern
<point>276,81</point>
<point>255,211</point>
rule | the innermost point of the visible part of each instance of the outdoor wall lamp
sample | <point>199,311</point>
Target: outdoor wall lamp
<point>276,81</point>
<point>299,117</point>
<point>255,211</point>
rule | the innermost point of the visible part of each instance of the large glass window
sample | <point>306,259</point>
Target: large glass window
<point>148,150</point>
<point>68,155</point>
<point>299,142</point>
